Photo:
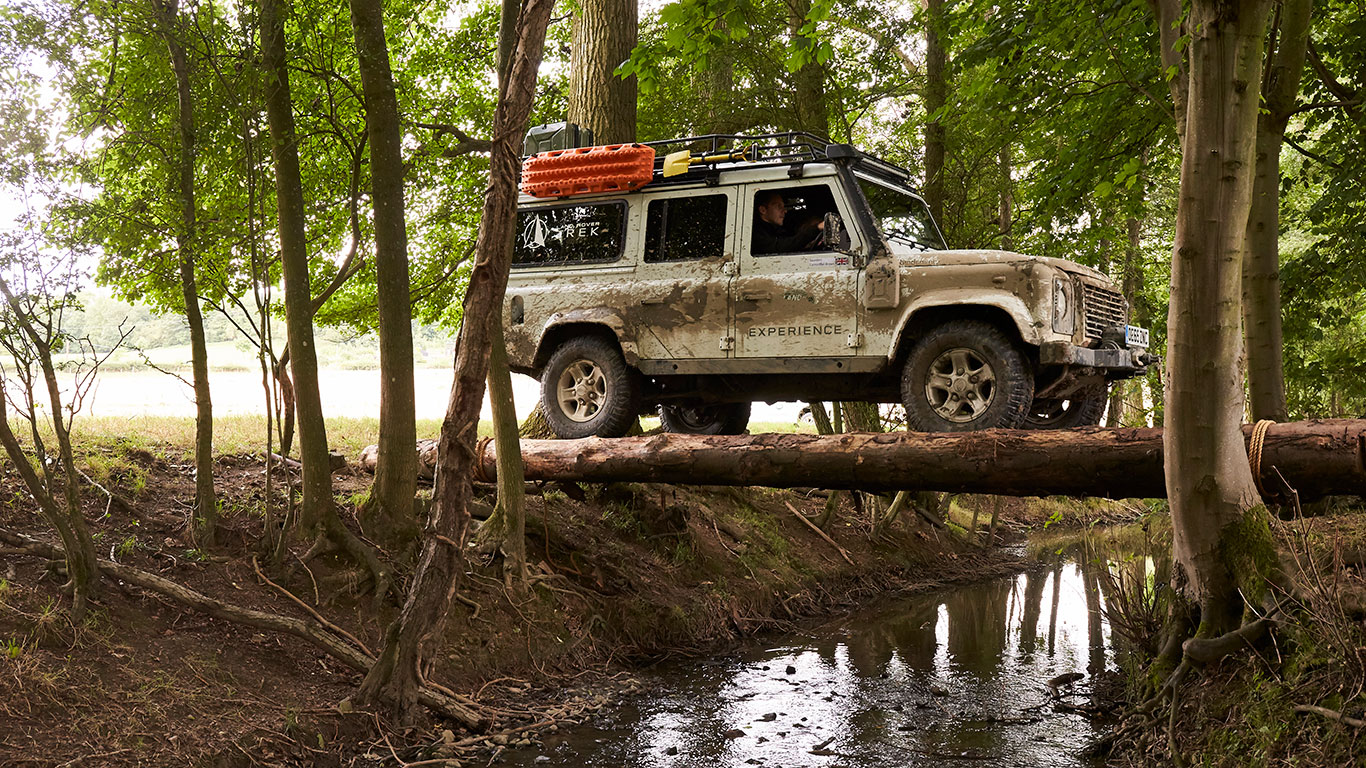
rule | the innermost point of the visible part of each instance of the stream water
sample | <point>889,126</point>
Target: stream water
<point>954,677</point>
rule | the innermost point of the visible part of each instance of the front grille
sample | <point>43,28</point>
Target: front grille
<point>1104,309</point>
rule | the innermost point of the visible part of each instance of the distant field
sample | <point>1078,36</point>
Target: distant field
<point>240,356</point>
<point>173,437</point>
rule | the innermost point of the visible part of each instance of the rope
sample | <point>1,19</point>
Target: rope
<point>479,448</point>
<point>1254,452</point>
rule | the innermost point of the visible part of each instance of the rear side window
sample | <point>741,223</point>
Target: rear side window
<point>685,228</point>
<point>570,234</point>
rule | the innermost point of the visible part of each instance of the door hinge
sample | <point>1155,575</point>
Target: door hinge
<point>855,341</point>
<point>727,343</point>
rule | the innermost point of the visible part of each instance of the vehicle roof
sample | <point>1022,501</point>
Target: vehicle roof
<point>772,157</point>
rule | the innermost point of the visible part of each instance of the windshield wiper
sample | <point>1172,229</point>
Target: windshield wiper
<point>911,239</point>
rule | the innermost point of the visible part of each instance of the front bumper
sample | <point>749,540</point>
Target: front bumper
<point>1115,363</point>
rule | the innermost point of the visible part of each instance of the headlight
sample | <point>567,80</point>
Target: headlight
<point>1064,306</point>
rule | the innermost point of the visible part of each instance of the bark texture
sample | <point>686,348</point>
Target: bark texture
<point>809,110</point>
<point>396,677</point>
<point>389,510</point>
<point>316,506</point>
<point>936,95</point>
<point>1315,457</point>
<point>603,35</point>
<point>205,498</point>
<point>1262,270</point>
<point>1214,503</point>
<point>505,528</point>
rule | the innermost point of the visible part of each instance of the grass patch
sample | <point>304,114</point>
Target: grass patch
<point>172,438</point>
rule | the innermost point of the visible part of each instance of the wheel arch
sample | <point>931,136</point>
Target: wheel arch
<point>600,322</point>
<point>1009,315</point>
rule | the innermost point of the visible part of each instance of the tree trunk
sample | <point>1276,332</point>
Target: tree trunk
<point>317,475</point>
<point>1007,201</point>
<point>1261,271</point>
<point>1316,458</point>
<point>936,96</point>
<point>1131,280</point>
<point>205,498</point>
<point>389,510</point>
<point>1219,527</point>
<point>396,676</point>
<point>809,109</point>
<point>505,528</point>
<point>719,82</point>
<point>603,36</point>
<point>82,565</point>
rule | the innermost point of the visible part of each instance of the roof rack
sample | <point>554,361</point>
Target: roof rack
<point>790,148</point>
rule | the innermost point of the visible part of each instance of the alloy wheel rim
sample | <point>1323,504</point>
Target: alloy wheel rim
<point>961,385</point>
<point>581,390</point>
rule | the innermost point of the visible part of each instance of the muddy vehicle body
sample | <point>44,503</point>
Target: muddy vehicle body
<point>664,298</point>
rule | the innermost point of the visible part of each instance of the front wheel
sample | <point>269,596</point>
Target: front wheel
<point>705,419</point>
<point>587,389</point>
<point>1083,409</point>
<point>966,375</point>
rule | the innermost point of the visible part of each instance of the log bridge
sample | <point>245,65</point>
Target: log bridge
<point>1316,458</point>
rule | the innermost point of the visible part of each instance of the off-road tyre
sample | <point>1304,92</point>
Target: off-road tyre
<point>608,398</point>
<point>953,353</point>
<point>705,418</point>
<point>1083,409</point>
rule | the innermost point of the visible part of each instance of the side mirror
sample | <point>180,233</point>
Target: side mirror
<point>832,237</point>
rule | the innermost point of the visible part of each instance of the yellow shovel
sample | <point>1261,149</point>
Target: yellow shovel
<point>678,163</point>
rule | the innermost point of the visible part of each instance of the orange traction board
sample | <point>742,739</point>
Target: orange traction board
<point>586,170</point>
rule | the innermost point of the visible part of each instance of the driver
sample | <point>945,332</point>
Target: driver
<point>770,236</point>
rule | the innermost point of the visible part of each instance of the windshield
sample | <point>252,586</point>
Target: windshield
<point>902,216</point>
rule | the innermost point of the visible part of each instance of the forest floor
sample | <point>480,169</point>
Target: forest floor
<point>623,574</point>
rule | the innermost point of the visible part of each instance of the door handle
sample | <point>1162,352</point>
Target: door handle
<point>654,300</point>
<point>756,296</point>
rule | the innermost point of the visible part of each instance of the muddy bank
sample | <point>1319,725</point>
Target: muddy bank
<point>621,574</point>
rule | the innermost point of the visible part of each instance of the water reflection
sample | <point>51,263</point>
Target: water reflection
<point>950,678</point>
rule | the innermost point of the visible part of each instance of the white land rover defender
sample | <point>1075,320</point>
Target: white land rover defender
<point>673,297</point>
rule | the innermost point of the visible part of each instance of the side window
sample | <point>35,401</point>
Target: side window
<point>788,219</point>
<point>590,233</point>
<point>684,228</point>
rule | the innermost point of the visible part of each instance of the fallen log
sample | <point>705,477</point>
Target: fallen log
<point>1317,458</point>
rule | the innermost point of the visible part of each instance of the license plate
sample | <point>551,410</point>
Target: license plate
<point>1135,336</point>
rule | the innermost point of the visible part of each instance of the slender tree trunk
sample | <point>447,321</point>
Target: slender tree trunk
<point>603,36</point>
<point>206,500</point>
<point>1219,526</point>
<point>1261,271</point>
<point>390,508</point>
<point>1131,280</point>
<point>809,109</point>
<point>317,475</point>
<point>81,561</point>
<point>936,96</point>
<point>396,676</point>
<point>506,528</point>
<point>1007,201</point>
<point>719,80</point>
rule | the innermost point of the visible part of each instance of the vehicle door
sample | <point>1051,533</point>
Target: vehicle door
<point>682,307</point>
<point>798,300</point>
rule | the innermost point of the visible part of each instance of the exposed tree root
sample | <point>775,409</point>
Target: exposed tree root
<point>311,631</point>
<point>1331,714</point>
<point>1201,651</point>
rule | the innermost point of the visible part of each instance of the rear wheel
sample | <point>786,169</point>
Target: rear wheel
<point>704,418</point>
<point>587,389</point>
<point>966,375</point>
<point>1083,409</point>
